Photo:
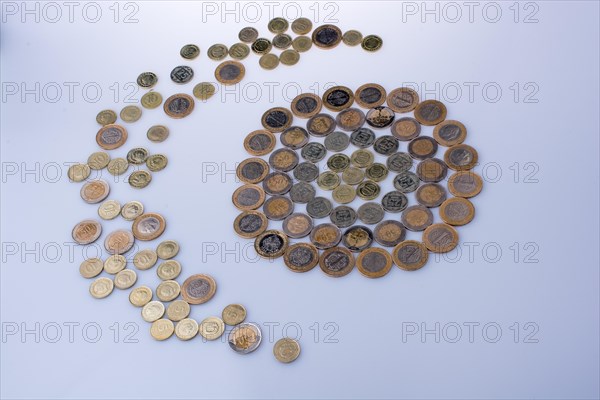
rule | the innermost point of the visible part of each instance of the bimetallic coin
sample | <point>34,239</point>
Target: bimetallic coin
<point>357,238</point>
<point>353,175</point>
<point>449,133</point>
<point>179,106</point>
<point>110,209</point>
<point>153,311</point>
<point>286,350</point>
<point>465,184</point>
<point>132,210</point>
<point>167,249</point>
<point>101,288</point>
<point>338,98</point>
<point>276,208</point>
<point>95,191</point>
<point>131,113</point>
<point>394,201</point>
<point>362,137</point>
<point>343,194</point>
<point>406,129</point>
<point>301,257</point>
<point>306,105</point>
<point>302,43</point>
<point>277,183</point>
<point>147,79</point>
<point>140,296</point>
<point>457,211</point>
<point>168,290</point>
<point>157,133</point>
<point>399,162</point>
<point>302,192</point>
<point>78,172</point>
<point>297,225</point>
<point>140,179</point>
<point>239,51</point>
<point>432,170</point>
<point>125,279</point>
<point>319,207</point>
<point>204,91</point>
<point>336,141</point>
<point>106,117</point>
<point>252,170</point>
<point>244,338</point>
<point>145,259</point>
<point>137,156</point>
<point>178,310</point>
<point>370,95</point>
<point>148,226</point>
<point>189,51</point>
<point>306,172</point>
<point>115,263</point>
<point>261,46</point>
<point>294,137</point>
<point>91,267</point>
<point>416,218</point>
<point>271,244</point>
<point>217,52</point>
<point>410,255</point>
<point>282,41</point>
<point>289,57</point>
<point>248,34</point>
<point>86,231</point>
<point>430,112</point>
<point>250,224</point>
<point>328,180</point>
<point>406,182</point>
<point>313,152</point>
<point>343,216</point>
<point>350,119</point>
<point>431,195</point>
<point>168,270</point>
<point>260,142</point>
<point>162,329</point>
<point>461,157</point>
<point>422,147</point>
<point>98,160</point>
<point>278,25</point>
<point>321,125</point>
<point>277,119</point>
<point>119,241</point>
<point>440,238</point>
<point>362,158</point>
<point>186,329</point>
<point>248,197</point>
<point>352,38</point>
<point>372,43</point>
<point>117,166</point>
<point>301,26</point>
<point>151,100</point>
<point>325,236</point>
<point>230,72</point>
<point>211,328</point>
<point>370,213</point>
<point>374,262</point>
<point>380,117</point>
<point>336,262</point>
<point>376,172</point>
<point>283,160</point>
<point>327,36</point>
<point>233,314</point>
<point>268,61</point>
<point>157,162</point>
<point>389,233</point>
<point>368,190</point>
<point>111,136</point>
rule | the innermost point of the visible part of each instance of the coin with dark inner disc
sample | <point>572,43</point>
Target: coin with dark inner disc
<point>457,211</point>
<point>406,129</point>
<point>343,216</point>
<point>338,98</point>
<point>449,133</point>
<point>306,171</point>
<point>402,100</point>
<point>319,207</point>
<point>302,192</point>
<point>357,238</point>
<point>350,119</point>
<point>182,74</point>
<point>465,184</point>
<point>277,183</point>
<point>271,244</point>
<point>399,162</point>
<point>370,213</point>
<point>389,233</point>
<point>230,72</point>
<point>372,43</point>
<point>422,147</point>
<point>394,201</point>
<point>147,79</point>
<point>297,225</point>
<point>301,257</point>
<point>276,208</point>
<point>261,46</point>
<point>370,95</point>
<point>198,289</point>
<point>432,170</point>
<point>250,224</point>
<point>380,117</point>
<point>386,145</point>
<point>430,112</point>
<point>320,125</point>
<point>306,105</point>
<point>179,106</point>
<point>283,159</point>
<point>416,218</point>
<point>325,236</point>
<point>337,141</point>
<point>294,137</point>
<point>277,119</point>
<point>248,197</point>
<point>440,238</point>
<point>313,152</point>
<point>374,262</point>
<point>431,195</point>
<point>336,262</point>
<point>260,142</point>
<point>410,255</point>
<point>252,170</point>
<point>362,137</point>
<point>327,36</point>
<point>461,157</point>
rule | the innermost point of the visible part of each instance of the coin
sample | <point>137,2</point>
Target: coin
<point>132,210</point>
<point>301,257</point>
<point>230,72</point>
<point>148,226</point>
<point>86,231</point>
<point>179,106</point>
<point>119,241</point>
<point>276,208</point>
<point>156,162</point>
<point>406,129</point>
<point>259,143</point>
<point>449,133</point>
<point>117,166</point>
<point>410,255</point>
<point>350,119</point>
<point>461,157</point>
<point>372,43</point>
<point>252,170</point>
<point>306,171</point>
<point>131,113</point>
<point>167,249</point>
<point>430,112</point>
<point>370,213</point>
<point>140,296</point>
<point>362,137</point>
<point>440,238</point>
<point>125,279</point>
<point>277,183</point>
<point>338,98</point>
<point>239,51</point>
<point>212,328</point>
<point>320,125</point>
<point>91,267</point>
<point>233,314</point>
<point>110,209</point>
<point>153,311</point>
<point>244,338</point>
<point>277,119</point>
<point>370,95</point>
<point>362,158</point>
<point>106,117</point>
<point>357,238</point>
<point>137,155</point>
<point>189,51</point>
<point>327,36</point>
<point>101,288</point>
<point>147,79</point>
<point>168,270</point>
<point>186,329</point>
<point>282,41</point>
<point>283,160</point>
<point>352,38</point>
<point>151,100</point>
<point>399,162</point>
<point>301,26</point>
<point>250,224</point>
<point>336,141</point>
<point>432,170</point>
<point>297,225</point>
<point>336,262</point>
<point>457,211</point>
<point>319,207</point>
<point>248,34</point>
<point>157,133</point>
<point>271,244</point>
<point>294,137</point>
<point>325,236</point>
<point>98,160</point>
<point>162,329</point>
<point>302,43</point>
<point>204,91</point>
<point>431,195</point>
<point>178,310</point>
<point>422,147</point>
<point>95,191</point>
<point>145,259</point>
<point>217,52</point>
<point>368,190</point>
<point>261,46</point>
<point>140,179</point>
<point>406,182</point>
<point>328,180</point>
<point>115,264</point>
<point>313,152</point>
<point>278,25</point>
<point>389,233</point>
<point>111,136</point>
<point>374,262</point>
<point>416,218</point>
<point>343,216</point>
<point>380,117</point>
<point>78,172</point>
<point>268,61</point>
<point>465,184</point>
<point>302,192</point>
<point>376,172</point>
<point>289,57</point>
<point>286,350</point>
<point>248,197</point>
<point>344,194</point>
<point>168,290</point>
<point>403,100</point>
<point>306,105</point>
<point>394,201</point>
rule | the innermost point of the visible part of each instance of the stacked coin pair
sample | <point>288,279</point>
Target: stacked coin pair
<point>355,175</point>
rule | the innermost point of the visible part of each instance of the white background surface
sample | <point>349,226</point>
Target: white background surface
<point>555,57</point>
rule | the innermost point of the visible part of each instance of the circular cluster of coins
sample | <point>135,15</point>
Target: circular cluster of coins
<point>282,180</point>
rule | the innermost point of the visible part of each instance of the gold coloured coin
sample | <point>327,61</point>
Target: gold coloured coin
<point>440,238</point>
<point>217,52</point>
<point>198,289</point>
<point>189,51</point>
<point>230,72</point>
<point>248,197</point>
<point>98,160</point>
<point>140,179</point>
<point>372,43</point>
<point>376,172</point>
<point>162,329</point>
<point>204,91</point>
<point>110,209</point>
<point>374,262</point>
<point>289,57</point>
<point>145,259</point>
<point>239,51</point>
<point>368,190</point>
<point>337,262</point>
<point>91,267</point>
<point>212,328</point>
<point>132,210</point>
<point>86,231</point>
<point>252,170</point>
<point>250,224</point>
<point>248,34</point>
<point>179,106</point>
<point>430,112</point>
<point>301,26</point>
<point>457,211</point>
<point>148,226</point>
<point>362,158</point>
<point>302,44</point>
<point>111,136</point>
<point>306,105</point>
<point>338,98</point>
<point>402,100</point>
<point>167,249</point>
<point>410,255</point>
<point>168,290</point>
<point>168,270</point>
<point>278,25</point>
<point>261,46</point>
<point>78,172</point>
<point>286,350</point>
<point>269,61</point>
<point>101,288</point>
<point>449,133</point>
<point>352,38</point>
<point>353,175</point>
<point>301,257</point>
<point>234,314</point>
<point>153,311</point>
<point>106,117</point>
<point>344,194</point>
<point>95,191</point>
<point>131,113</point>
<point>115,263</point>
<point>137,155</point>
<point>328,180</point>
<point>260,142</point>
<point>140,296</point>
<point>117,166</point>
<point>157,162</point>
<point>465,184</point>
<point>147,79</point>
<point>151,100</point>
<point>271,244</point>
<point>125,279</point>
<point>186,329</point>
<point>282,41</point>
<point>178,310</point>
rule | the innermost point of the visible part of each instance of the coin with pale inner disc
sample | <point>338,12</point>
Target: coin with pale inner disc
<point>245,338</point>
